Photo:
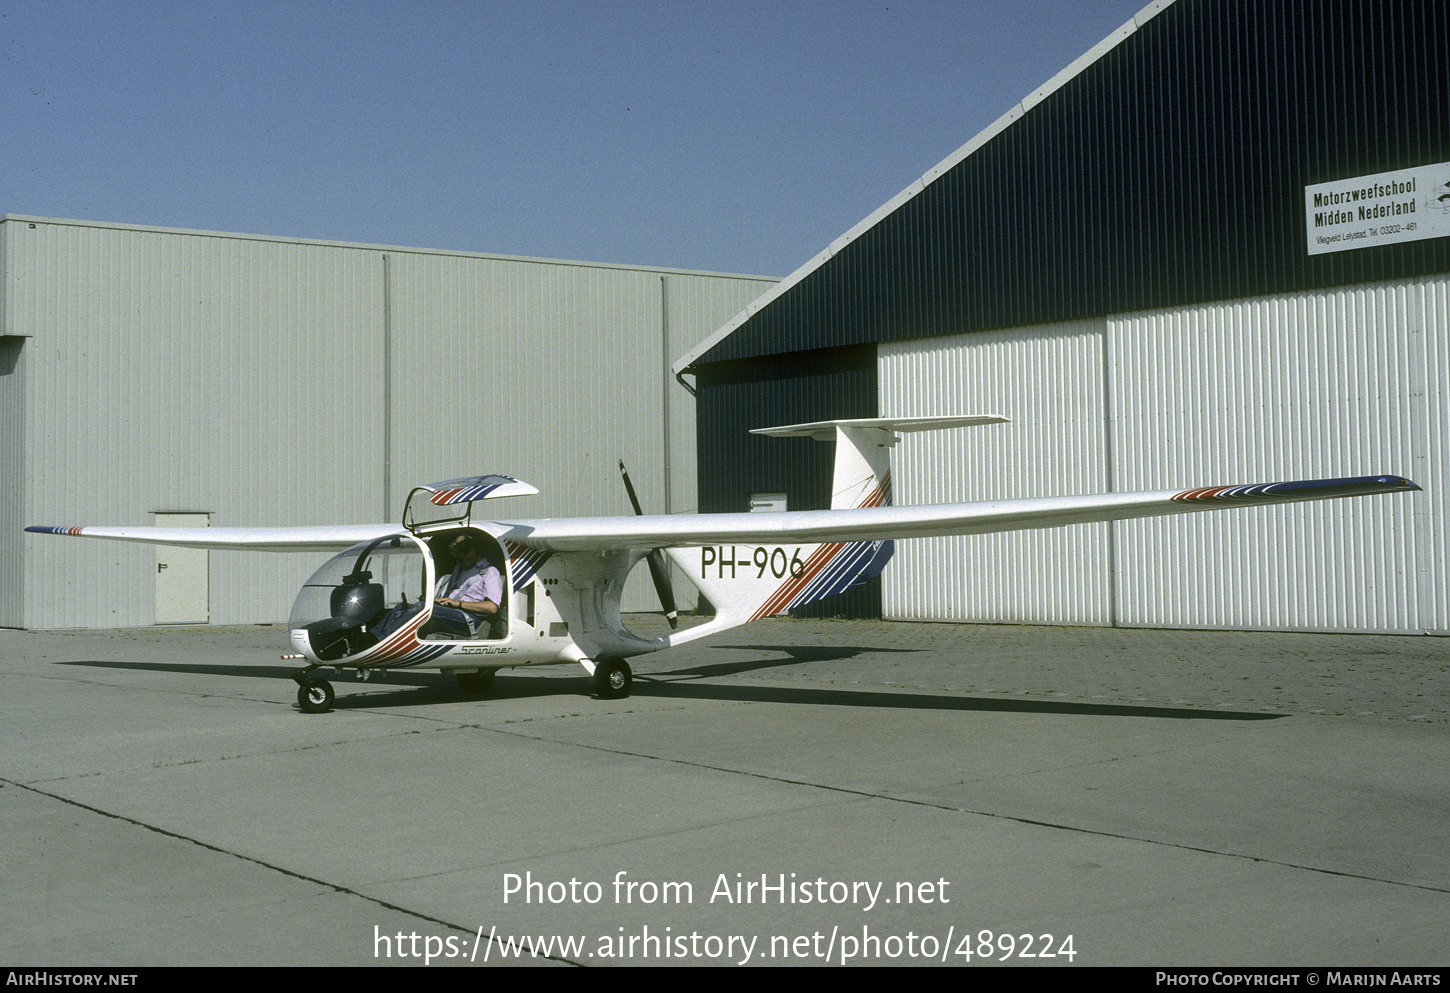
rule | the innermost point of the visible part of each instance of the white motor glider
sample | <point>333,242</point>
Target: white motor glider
<point>562,579</point>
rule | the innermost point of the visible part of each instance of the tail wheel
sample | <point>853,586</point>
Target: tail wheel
<point>475,682</point>
<point>613,679</point>
<point>315,696</point>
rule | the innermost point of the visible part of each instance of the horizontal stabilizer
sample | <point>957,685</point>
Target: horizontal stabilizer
<point>826,430</point>
<point>862,474</point>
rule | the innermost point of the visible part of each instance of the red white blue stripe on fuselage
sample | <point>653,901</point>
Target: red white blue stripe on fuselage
<point>524,562</point>
<point>832,568</point>
<point>835,567</point>
<point>402,649</point>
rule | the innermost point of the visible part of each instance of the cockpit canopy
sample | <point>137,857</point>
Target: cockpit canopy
<point>342,610</point>
<point>356,587</point>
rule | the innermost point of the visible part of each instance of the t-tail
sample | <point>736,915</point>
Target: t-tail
<point>749,582</point>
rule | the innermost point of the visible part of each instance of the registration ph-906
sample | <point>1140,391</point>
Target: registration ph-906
<point>735,561</point>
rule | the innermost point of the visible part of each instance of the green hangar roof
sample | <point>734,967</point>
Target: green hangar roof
<point>1167,166</point>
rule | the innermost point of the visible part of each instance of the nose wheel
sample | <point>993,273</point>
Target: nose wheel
<point>314,695</point>
<point>612,679</point>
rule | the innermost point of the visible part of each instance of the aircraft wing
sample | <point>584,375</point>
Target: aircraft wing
<point>875,523</point>
<point>293,539</point>
<point>880,523</point>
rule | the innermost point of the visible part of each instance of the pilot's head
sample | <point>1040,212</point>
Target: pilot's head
<point>465,550</point>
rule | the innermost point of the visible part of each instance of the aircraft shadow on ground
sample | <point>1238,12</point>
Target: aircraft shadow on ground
<point>252,671</point>
<point>402,688</point>
<point>896,700</point>
<point>796,655</point>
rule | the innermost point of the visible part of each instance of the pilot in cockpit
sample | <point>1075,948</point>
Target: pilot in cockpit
<point>468,598</point>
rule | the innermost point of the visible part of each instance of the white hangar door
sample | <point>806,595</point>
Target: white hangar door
<point>182,575</point>
<point>1048,380</point>
<point>1347,381</point>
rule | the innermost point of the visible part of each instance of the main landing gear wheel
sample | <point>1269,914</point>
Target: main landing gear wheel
<point>315,696</point>
<point>476,682</point>
<point>613,679</point>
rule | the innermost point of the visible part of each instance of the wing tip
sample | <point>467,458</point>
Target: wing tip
<point>1302,489</point>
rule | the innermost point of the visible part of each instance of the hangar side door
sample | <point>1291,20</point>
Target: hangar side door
<point>182,576</point>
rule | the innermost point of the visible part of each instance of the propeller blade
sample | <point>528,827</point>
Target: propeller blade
<point>629,488</point>
<point>659,569</point>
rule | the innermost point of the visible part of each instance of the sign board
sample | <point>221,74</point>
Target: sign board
<point>1380,209</point>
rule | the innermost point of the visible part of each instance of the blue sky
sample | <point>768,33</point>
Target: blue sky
<point>722,136</point>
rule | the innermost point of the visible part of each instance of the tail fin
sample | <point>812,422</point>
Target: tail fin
<point>751,582</point>
<point>862,475</point>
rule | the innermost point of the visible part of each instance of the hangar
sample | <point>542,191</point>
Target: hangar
<point>1215,249</point>
<point>155,376</point>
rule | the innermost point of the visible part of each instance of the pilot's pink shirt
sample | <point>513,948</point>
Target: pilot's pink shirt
<point>482,582</point>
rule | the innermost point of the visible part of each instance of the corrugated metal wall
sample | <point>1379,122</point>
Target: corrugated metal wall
<point>171,372</point>
<point>476,384</point>
<point>1346,382</point>
<point>1049,381</point>
<point>244,377</point>
<point>12,468</point>
<point>1350,381</point>
<point>12,454</point>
